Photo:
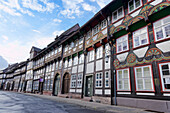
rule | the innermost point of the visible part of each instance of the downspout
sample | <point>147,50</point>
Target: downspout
<point>113,76</point>
<point>84,68</point>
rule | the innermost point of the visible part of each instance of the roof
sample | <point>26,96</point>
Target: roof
<point>35,49</point>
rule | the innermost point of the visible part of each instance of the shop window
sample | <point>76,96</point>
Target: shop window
<point>99,79</point>
<point>117,14</point>
<point>144,80</point>
<point>165,76</point>
<point>162,29</point>
<point>122,44</point>
<point>123,80</point>
<point>134,4</point>
<point>140,37</point>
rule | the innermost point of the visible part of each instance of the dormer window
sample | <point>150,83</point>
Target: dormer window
<point>117,14</point>
<point>95,30</point>
<point>134,4</point>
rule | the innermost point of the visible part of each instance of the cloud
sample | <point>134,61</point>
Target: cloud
<point>101,3</point>
<point>88,7</point>
<point>35,5</point>
<point>5,37</point>
<point>36,31</point>
<point>71,8</point>
<point>57,20</point>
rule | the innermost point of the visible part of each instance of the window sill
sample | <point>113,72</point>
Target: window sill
<point>134,48</point>
<point>159,41</point>
<point>122,52</point>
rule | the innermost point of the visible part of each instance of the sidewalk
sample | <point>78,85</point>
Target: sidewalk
<point>92,105</point>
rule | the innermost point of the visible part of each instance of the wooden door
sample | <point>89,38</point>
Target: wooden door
<point>57,85</point>
<point>66,83</point>
<point>89,86</point>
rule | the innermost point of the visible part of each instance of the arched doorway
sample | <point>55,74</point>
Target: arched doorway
<point>66,83</point>
<point>56,87</point>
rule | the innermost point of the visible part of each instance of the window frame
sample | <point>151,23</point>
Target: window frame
<point>99,52</point>
<point>73,81</point>
<point>117,79</point>
<point>88,35</point>
<point>99,79</point>
<point>133,37</point>
<point>118,17</point>
<point>79,80</point>
<point>162,28</point>
<point>91,56</point>
<point>103,24</point>
<point>109,83</point>
<point>122,45</point>
<point>95,28</point>
<point>161,76</point>
<point>151,78</point>
<point>141,3</point>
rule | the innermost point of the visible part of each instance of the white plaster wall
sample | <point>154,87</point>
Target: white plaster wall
<point>98,91</point>
<point>80,68</point>
<point>156,2</point>
<point>99,65</point>
<point>74,69</point>
<point>135,13</point>
<point>107,65</point>
<point>118,23</point>
<point>107,92</point>
<point>78,90</point>
<point>141,52</point>
<point>72,90</point>
<point>122,57</point>
<point>90,68</point>
<point>104,31</point>
<point>164,46</point>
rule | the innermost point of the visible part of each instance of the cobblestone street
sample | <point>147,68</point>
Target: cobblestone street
<point>11,102</point>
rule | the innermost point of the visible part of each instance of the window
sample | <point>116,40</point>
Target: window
<point>75,60</point>
<point>66,48</point>
<point>73,81</point>
<point>88,35</point>
<point>75,43</point>
<point>140,37</point>
<point>81,59</point>
<point>162,29</point>
<point>55,50</point>
<point>123,80</point>
<point>165,76</point>
<point>134,4</point>
<point>70,62</point>
<point>60,64</point>
<point>51,84</point>
<point>103,24</point>
<point>59,49</point>
<point>117,14</point>
<point>95,30</point>
<point>99,52</point>
<point>66,63</point>
<point>56,65</point>
<point>122,44</point>
<point>99,80</point>
<point>79,81</point>
<point>91,55</point>
<point>144,80</point>
<point>80,41</point>
<point>107,79</point>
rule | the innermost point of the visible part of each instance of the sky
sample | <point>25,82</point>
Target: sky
<point>27,23</point>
